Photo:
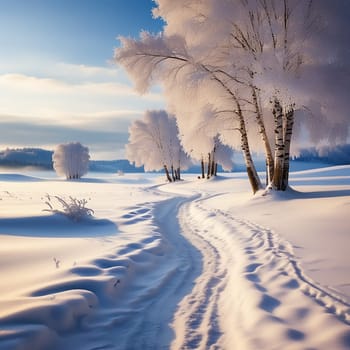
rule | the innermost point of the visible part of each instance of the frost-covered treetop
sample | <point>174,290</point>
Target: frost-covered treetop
<point>154,142</point>
<point>71,160</point>
<point>296,58</point>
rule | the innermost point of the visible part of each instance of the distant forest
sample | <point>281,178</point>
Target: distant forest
<point>334,155</point>
<point>40,158</point>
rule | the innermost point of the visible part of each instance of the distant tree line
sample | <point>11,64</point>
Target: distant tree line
<point>335,155</point>
<point>19,157</point>
<point>42,159</point>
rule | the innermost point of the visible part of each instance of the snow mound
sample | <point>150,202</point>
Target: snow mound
<point>56,225</point>
<point>19,178</point>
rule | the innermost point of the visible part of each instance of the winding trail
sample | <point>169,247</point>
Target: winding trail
<point>140,315</point>
<point>182,265</point>
<point>252,292</point>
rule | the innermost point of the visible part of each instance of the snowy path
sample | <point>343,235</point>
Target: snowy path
<point>252,293</point>
<point>197,318</point>
<point>181,266</point>
<point>161,271</point>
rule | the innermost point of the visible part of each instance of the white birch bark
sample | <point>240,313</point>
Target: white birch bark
<point>250,166</point>
<point>266,142</point>
<point>279,146</point>
<point>287,142</point>
<point>251,170</point>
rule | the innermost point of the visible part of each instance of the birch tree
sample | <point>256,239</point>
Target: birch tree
<point>264,38</point>
<point>260,43</point>
<point>274,34</point>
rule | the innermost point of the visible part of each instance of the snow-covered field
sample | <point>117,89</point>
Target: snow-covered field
<point>200,264</point>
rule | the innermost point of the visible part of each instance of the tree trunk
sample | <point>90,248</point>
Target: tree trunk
<point>212,164</point>
<point>167,173</point>
<point>287,142</point>
<point>202,165</point>
<point>251,171</point>
<point>178,174</point>
<point>172,173</point>
<point>279,146</point>
<point>212,171</point>
<point>265,139</point>
<point>216,169</point>
<point>208,172</point>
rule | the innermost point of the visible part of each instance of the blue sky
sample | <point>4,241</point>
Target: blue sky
<point>57,82</point>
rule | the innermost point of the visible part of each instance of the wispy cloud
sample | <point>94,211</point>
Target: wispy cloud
<point>66,102</point>
<point>83,73</point>
<point>32,84</point>
<point>104,143</point>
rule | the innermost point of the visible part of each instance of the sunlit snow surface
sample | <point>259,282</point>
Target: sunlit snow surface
<point>200,264</point>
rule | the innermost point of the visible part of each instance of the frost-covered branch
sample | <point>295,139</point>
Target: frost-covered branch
<point>240,52</point>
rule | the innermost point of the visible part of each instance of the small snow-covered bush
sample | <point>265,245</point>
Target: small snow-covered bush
<point>71,160</point>
<point>72,208</point>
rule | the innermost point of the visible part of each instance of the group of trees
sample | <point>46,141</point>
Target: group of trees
<point>155,143</point>
<point>232,73</point>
